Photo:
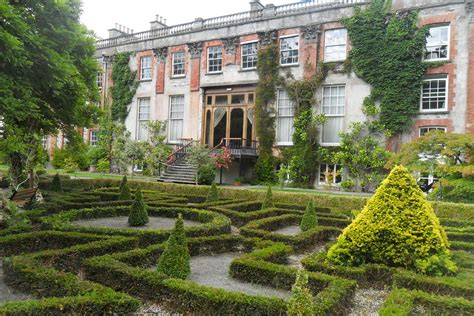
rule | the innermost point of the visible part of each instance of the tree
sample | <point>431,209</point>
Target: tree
<point>268,201</point>
<point>213,194</point>
<point>301,301</point>
<point>157,149</point>
<point>175,259</point>
<point>397,227</point>
<point>135,152</point>
<point>138,211</point>
<point>56,185</point>
<point>47,74</point>
<point>310,219</point>
<point>124,190</point>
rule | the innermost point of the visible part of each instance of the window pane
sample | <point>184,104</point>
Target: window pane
<point>176,118</point>
<point>333,107</point>
<point>437,43</point>
<point>178,64</point>
<point>214,59</point>
<point>335,45</point>
<point>145,68</point>
<point>249,55</point>
<point>331,129</point>
<point>238,99</point>
<point>289,50</point>
<point>433,94</point>
<point>221,100</point>
<point>285,114</point>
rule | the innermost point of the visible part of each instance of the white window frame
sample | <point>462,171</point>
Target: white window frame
<point>335,170</point>
<point>431,128</point>
<point>175,62</point>
<point>445,109</point>
<point>145,68</point>
<point>332,115</point>
<point>93,139</point>
<point>218,50</point>
<point>440,44</point>
<point>278,116</point>
<point>171,119</point>
<point>98,80</point>
<point>326,45</point>
<point>142,119</point>
<point>242,55</point>
<point>281,39</point>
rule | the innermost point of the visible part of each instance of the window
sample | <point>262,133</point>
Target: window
<point>98,80</point>
<point>333,108</point>
<point>249,55</point>
<point>437,43</point>
<point>143,118</point>
<point>427,129</point>
<point>335,45</point>
<point>285,113</point>
<point>176,118</point>
<point>178,63</point>
<point>330,174</point>
<point>434,96</point>
<point>214,59</point>
<point>289,50</point>
<point>145,70</point>
<point>93,138</point>
<point>44,141</point>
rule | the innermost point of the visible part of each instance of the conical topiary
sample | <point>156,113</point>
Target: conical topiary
<point>125,190</point>
<point>56,185</point>
<point>213,194</point>
<point>268,201</point>
<point>301,301</point>
<point>397,227</point>
<point>138,212</point>
<point>175,259</point>
<point>310,219</point>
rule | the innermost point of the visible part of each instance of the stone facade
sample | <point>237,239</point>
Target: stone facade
<point>308,22</point>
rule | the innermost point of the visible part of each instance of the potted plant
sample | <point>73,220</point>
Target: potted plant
<point>238,181</point>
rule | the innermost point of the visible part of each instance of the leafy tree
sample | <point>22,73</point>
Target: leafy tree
<point>199,156</point>
<point>175,259</point>
<point>125,190</point>
<point>397,227</point>
<point>157,149</point>
<point>301,301</point>
<point>138,211</point>
<point>135,152</point>
<point>268,201</point>
<point>310,219</point>
<point>56,185</point>
<point>47,74</point>
<point>213,194</point>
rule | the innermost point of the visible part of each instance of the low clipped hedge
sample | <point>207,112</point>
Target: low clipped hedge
<point>264,228</point>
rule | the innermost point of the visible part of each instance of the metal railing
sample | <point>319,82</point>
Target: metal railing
<point>181,150</point>
<point>230,19</point>
<point>237,146</point>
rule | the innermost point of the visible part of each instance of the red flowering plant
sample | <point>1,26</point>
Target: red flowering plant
<point>222,159</point>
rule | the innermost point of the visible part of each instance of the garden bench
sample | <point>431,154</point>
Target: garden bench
<point>23,197</point>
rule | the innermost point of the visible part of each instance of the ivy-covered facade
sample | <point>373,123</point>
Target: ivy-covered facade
<point>317,76</point>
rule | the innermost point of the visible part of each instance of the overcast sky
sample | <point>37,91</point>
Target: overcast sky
<point>101,15</point>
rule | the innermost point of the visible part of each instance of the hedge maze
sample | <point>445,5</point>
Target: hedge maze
<point>66,267</point>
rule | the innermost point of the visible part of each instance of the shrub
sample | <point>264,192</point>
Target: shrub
<point>206,174</point>
<point>70,166</point>
<point>56,184</point>
<point>175,260</point>
<point>310,219</point>
<point>103,165</point>
<point>213,195</point>
<point>301,301</point>
<point>138,213</point>
<point>397,227</point>
<point>268,201</point>
<point>436,265</point>
<point>124,190</point>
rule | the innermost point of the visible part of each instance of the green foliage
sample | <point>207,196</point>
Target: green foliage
<point>268,201</point>
<point>267,68</point>
<point>124,88</point>
<point>397,227</point>
<point>213,194</point>
<point>138,211</point>
<point>301,301</point>
<point>175,260</point>
<point>455,190</point>
<point>70,166</point>
<point>199,156</point>
<point>438,265</point>
<point>103,166</point>
<point>56,184</point>
<point>124,190</point>
<point>396,80</point>
<point>206,174</point>
<point>156,148</point>
<point>310,219</point>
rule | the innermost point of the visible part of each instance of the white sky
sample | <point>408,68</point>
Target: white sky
<point>101,15</point>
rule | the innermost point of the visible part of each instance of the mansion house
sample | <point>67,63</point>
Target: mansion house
<point>201,76</point>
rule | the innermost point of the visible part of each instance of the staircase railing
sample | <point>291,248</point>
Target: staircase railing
<point>237,145</point>
<point>179,152</point>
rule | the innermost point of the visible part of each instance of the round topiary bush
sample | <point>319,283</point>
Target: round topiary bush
<point>124,190</point>
<point>175,260</point>
<point>213,194</point>
<point>397,227</point>
<point>138,212</point>
<point>56,185</point>
<point>301,301</point>
<point>310,219</point>
<point>268,201</point>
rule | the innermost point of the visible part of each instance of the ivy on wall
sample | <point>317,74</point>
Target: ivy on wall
<point>387,51</point>
<point>124,88</point>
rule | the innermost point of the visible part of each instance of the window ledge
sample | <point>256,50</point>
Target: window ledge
<point>145,80</point>
<point>178,77</point>
<point>289,65</point>
<point>433,112</point>
<point>330,144</point>
<point>335,61</point>
<point>284,144</point>
<point>248,69</point>
<point>214,73</point>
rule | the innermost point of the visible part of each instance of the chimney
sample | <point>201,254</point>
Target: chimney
<point>158,23</point>
<point>119,30</point>
<point>256,5</point>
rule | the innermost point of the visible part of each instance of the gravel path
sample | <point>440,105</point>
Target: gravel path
<point>292,230</point>
<point>7,293</point>
<point>295,259</point>
<point>121,222</point>
<point>367,302</point>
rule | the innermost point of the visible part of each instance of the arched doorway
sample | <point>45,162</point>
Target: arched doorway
<point>220,124</point>
<point>207,135</point>
<point>236,123</point>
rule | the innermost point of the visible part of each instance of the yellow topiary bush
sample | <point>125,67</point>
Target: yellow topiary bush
<point>397,227</point>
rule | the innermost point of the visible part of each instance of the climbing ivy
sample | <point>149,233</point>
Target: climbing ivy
<point>267,68</point>
<point>387,51</point>
<point>124,88</point>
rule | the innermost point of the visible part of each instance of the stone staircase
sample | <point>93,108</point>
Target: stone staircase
<point>179,172</point>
